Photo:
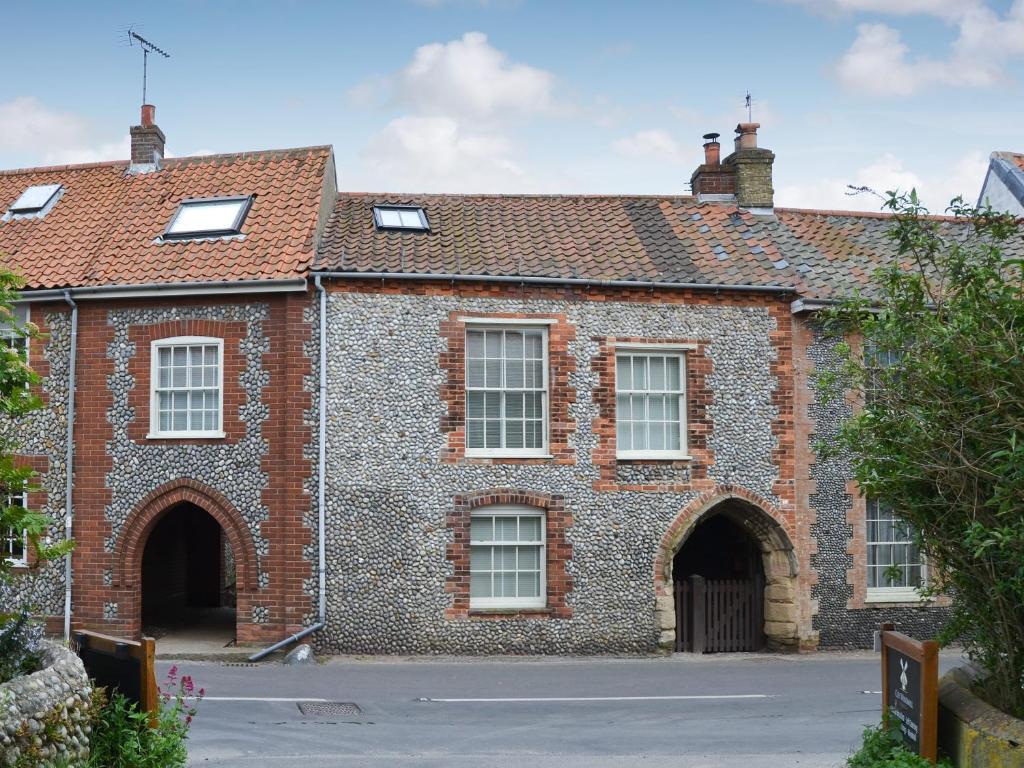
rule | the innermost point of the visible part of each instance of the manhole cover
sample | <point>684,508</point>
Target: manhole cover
<point>328,708</point>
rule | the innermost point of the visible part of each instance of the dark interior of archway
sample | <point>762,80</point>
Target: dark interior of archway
<point>718,548</point>
<point>187,575</point>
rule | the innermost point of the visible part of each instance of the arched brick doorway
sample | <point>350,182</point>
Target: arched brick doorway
<point>760,524</point>
<point>161,526</point>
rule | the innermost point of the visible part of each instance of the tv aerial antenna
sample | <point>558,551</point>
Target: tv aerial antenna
<point>147,48</point>
<point>750,109</point>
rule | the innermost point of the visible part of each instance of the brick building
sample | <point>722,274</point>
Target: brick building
<point>501,423</point>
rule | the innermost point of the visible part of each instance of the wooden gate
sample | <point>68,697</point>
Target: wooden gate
<point>719,615</point>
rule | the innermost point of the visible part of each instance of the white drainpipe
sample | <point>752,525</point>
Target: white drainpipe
<point>69,455</point>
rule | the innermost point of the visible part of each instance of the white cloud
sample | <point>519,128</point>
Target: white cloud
<point>435,154</point>
<point>935,188</point>
<point>472,79</point>
<point>28,127</point>
<point>654,144</point>
<point>880,63</point>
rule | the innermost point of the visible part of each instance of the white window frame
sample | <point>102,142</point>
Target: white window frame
<point>667,350</point>
<point>890,594</point>
<point>544,452</point>
<point>512,603</point>
<point>21,562</point>
<point>154,379</point>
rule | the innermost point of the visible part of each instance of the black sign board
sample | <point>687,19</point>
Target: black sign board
<point>910,690</point>
<point>122,665</point>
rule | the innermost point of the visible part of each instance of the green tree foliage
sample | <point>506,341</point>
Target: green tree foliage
<point>940,435</point>
<point>18,635</point>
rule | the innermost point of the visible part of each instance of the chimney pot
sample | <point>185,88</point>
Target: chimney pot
<point>148,115</point>
<point>746,136</point>
<point>712,149</point>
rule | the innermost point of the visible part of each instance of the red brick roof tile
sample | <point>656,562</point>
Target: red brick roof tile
<point>820,254</point>
<point>106,228</point>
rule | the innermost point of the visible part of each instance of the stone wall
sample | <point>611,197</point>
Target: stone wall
<point>393,486</point>
<point>44,717</point>
<point>843,617</point>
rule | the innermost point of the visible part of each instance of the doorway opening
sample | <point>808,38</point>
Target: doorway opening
<point>719,581</point>
<point>188,580</point>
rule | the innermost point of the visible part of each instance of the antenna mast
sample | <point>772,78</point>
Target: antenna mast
<point>750,111</point>
<point>146,47</point>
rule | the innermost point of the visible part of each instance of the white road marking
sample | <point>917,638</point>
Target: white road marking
<point>258,698</point>
<point>604,698</point>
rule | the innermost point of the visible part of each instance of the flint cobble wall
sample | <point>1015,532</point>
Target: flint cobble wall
<point>843,619</point>
<point>44,717</point>
<point>390,489</point>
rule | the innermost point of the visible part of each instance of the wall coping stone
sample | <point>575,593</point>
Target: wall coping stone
<point>61,685</point>
<point>972,731</point>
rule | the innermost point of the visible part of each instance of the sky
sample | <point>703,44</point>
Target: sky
<point>534,96</point>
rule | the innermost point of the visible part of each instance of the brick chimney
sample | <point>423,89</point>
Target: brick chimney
<point>711,178</point>
<point>752,168</point>
<point>147,143</point>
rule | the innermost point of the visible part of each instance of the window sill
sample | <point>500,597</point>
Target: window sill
<point>496,455</point>
<point>511,612</point>
<point>185,435</point>
<point>653,456</point>
<point>902,597</point>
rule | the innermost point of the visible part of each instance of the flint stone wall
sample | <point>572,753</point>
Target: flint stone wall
<point>831,505</point>
<point>44,717</point>
<point>389,493</point>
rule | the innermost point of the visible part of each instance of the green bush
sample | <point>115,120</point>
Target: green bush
<point>940,436</point>
<point>883,748</point>
<point>122,736</point>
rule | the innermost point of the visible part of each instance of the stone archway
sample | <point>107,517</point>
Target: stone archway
<point>764,523</point>
<point>130,546</point>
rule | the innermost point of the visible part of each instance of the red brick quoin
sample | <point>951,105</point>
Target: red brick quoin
<point>561,394</point>
<point>558,551</point>
<point>128,550</point>
<point>699,425</point>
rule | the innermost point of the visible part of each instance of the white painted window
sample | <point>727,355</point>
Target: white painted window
<point>895,568</point>
<point>506,557</point>
<point>187,387</point>
<point>506,391</point>
<point>12,338</point>
<point>650,404</point>
<point>14,543</point>
<point>208,217</point>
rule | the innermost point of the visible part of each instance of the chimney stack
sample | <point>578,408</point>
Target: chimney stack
<point>710,178</point>
<point>147,143</point>
<point>753,169</point>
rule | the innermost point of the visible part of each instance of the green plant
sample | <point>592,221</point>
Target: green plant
<point>940,436</point>
<point>882,748</point>
<point>124,737</point>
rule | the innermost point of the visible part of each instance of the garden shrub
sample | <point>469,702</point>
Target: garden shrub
<point>882,748</point>
<point>122,736</point>
<point>940,436</point>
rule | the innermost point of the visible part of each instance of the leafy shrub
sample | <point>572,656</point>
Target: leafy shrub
<point>121,734</point>
<point>20,646</point>
<point>883,748</point>
<point>940,437</point>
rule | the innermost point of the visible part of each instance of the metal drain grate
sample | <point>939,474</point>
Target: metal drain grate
<point>328,708</point>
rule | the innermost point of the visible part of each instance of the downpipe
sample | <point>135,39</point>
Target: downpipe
<point>321,486</point>
<point>69,455</point>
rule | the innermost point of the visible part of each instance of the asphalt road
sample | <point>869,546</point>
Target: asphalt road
<point>721,711</point>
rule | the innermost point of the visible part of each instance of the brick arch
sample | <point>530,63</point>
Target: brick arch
<point>131,543</point>
<point>766,525</point>
<point>559,550</point>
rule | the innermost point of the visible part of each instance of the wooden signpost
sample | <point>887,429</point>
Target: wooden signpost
<point>910,690</point>
<point>125,665</point>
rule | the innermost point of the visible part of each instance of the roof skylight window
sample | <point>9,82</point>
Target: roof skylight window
<point>400,217</point>
<point>35,199</point>
<point>208,217</point>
